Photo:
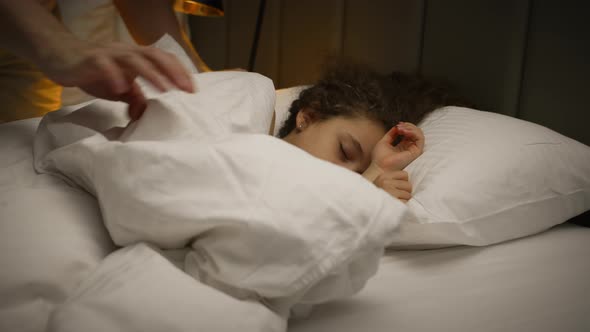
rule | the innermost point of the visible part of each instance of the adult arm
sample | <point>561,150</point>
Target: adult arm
<point>30,31</point>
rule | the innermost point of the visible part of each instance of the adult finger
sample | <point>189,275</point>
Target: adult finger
<point>136,64</point>
<point>171,67</point>
<point>136,100</point>
<point>101,77</point>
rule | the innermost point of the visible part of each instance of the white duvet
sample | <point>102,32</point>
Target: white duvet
<point>255,226</point>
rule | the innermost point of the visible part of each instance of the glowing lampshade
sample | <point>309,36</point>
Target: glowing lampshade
<point>201,8</point>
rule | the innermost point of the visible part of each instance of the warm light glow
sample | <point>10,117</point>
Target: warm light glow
<point>196,8</point>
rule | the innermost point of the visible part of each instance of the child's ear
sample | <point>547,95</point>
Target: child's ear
<point>305,117</point>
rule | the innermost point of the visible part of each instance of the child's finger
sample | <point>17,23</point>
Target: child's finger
<point>412,133</point>
<point>400,185</point>
<point>400,194</point>
<point>409,130</point>
<point>391,135</point>
<point>396,175</point>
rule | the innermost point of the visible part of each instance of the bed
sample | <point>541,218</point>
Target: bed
<point>516,286</point>
<point>53,239</point>
<point>534,283</point>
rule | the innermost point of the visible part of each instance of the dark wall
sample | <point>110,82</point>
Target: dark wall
<point>524,58</point>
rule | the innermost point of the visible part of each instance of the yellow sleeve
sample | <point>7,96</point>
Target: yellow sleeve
<point>24,91</point>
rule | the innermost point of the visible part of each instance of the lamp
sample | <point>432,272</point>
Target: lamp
<point>215,8</point>
<point>200,8</point>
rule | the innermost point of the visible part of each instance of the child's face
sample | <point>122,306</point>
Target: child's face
<point>344,141</point>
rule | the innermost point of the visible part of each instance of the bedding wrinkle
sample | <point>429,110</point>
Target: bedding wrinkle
<point>139,306</point>
<point>40,290</point>
<point>101,282</point>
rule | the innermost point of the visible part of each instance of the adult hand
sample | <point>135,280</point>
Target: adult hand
<point>109,71</point>
<point>29,30</point>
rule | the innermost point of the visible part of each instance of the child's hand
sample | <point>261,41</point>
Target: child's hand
<point>396,183</point>
<point>395,158</point>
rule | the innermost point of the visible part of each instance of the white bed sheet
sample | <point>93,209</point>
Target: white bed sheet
<point>539,283</point>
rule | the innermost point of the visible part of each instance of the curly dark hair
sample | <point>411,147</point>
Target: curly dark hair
<point>412,96</point>
<point>353,90</point>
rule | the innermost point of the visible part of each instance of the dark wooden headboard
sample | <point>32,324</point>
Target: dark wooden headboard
<point>525,58</point>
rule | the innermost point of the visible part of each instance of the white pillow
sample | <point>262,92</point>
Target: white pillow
<point>485,178</point>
